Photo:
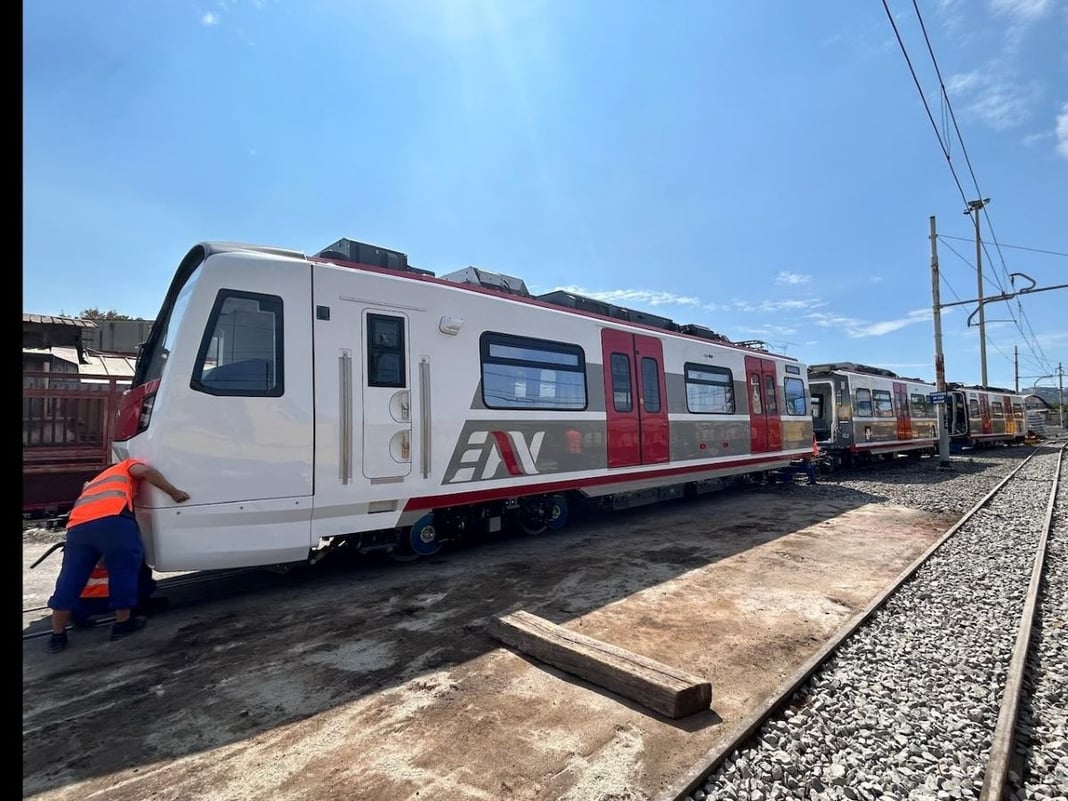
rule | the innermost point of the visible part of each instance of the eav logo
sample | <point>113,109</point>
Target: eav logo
<point>488,450</point>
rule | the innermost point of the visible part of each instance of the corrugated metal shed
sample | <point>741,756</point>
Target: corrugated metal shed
<point>96,364</point>
<point>47,319</point>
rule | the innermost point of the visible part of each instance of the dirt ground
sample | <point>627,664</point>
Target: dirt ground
<point>379,681</point>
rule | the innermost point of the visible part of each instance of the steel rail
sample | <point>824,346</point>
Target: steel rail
<point>204,577</point>
<point>750,724</point>
<point>1002,744</point>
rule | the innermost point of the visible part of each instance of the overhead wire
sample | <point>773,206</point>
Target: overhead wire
<point>1014,247</point>
<point>960,138</point>
<point>1032,343</point>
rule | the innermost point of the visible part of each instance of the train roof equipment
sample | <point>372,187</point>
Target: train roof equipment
<point>363,254</point>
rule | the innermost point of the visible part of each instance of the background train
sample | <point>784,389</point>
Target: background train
<point>350,399</point>
<point>860,413</point>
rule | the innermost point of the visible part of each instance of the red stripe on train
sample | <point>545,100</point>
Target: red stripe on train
<point>497,493</point>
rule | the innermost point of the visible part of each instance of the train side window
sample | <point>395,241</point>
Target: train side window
<point>997,409</point>
<point>526,373</point>
<point>710,390</point>
<point>1017,411</point>
<point>884,404</point>
<point>241,351</point>
<point>794,389</point>
<point>864,403</point>
<point>385,351</point>
<point>919,405</point>
<point>651,384</point>
<point>973,407</point>
<point>621,385</point>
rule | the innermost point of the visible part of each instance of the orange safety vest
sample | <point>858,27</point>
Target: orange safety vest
<point>110,493</point>
<point>97,585</point>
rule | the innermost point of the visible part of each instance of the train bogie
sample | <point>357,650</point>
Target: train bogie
<point>307,402</point>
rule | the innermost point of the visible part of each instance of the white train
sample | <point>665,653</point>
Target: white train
<point>347,398</point>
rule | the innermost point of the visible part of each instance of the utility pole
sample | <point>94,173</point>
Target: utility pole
<point>974,207</point>
<point>942,417</point>
<point>1016,365</point>
<point>1060,391</point>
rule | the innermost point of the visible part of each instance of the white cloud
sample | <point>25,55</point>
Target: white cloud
<point>1035,138</point>
<point>210,18</point>
<point>995,96</point>
<point>857,329</point>
<point>650,297</point>
<point>792,278</point>
<point>1062,131</point>
<point>1022,10</point>
<point>767,305</point>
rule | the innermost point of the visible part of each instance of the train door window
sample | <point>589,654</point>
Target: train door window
<point>997,409</point>
<point>650,384</point>
<point>919,405</point>
<point>884,404</point>
<point>973,407</point>
<point>241,351</point>
<point>385,351</point>
<point>1017,411</point>
<point>771,397</point>
<point>526,373</point>
<point>794,391</point>
<point>864,403</point>
<point>621,383</point>
<point>710,390</point>
<point>756,405</point>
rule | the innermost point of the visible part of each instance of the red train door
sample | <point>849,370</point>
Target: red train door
<point>984,413</point>
<point>765,426</point>
<point>635,399</point>
<point>901,407</point>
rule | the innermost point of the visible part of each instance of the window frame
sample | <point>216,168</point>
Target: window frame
<point>787,397</point>
<point>490,338</point>
<point>372,350</point>
<point>650,384</point>
<point>857,403</point>
<point>210,326</point>
<point>885,397</point>
<point>715,370</point>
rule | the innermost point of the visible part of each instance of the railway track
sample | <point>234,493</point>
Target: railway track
<point>918,696</point>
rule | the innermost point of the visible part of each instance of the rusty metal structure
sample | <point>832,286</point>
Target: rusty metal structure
<point>70,396</point>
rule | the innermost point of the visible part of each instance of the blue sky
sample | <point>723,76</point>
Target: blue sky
<point>763,168</point>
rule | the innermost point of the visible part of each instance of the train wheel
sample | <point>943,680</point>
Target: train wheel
<point>556,513</point>
<point>532,520</point>
<point>422,540</point>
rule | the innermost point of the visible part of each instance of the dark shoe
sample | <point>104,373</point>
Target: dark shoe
<point>57,643</point>
<point>127,627</point>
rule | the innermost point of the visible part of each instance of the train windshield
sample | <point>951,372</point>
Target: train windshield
<point>152,360</point>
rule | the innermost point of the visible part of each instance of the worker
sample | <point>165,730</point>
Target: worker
<point>102,527</point>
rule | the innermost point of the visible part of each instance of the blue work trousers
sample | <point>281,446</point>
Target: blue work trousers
<point>116,539</point>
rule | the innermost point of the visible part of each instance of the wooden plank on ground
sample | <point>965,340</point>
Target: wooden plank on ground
<point>662,688</point>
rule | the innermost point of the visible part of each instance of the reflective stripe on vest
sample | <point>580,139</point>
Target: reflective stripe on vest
<point>110,493</point>
<point>97,585</point>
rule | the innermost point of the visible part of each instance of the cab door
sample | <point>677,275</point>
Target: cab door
<point>386,410</point>
<point>765,424</point>
<point>635,399</point>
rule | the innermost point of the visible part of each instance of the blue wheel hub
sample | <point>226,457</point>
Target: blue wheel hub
<point>423,537</point>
